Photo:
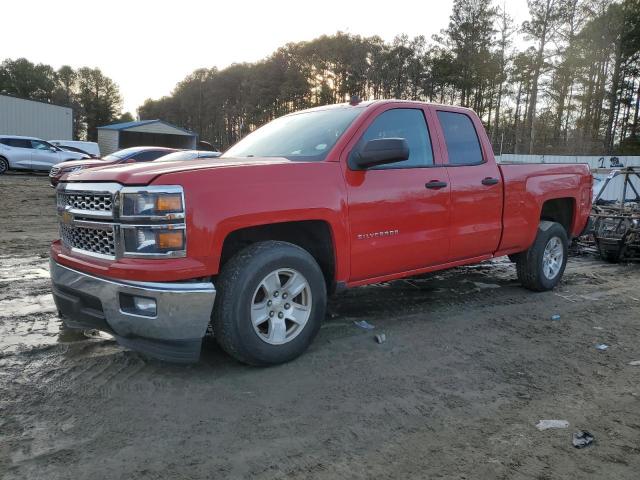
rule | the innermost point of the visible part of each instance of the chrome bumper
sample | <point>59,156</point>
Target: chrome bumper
<point>175,333</point>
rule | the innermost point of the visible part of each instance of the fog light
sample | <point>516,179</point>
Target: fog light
<point>144,306</point>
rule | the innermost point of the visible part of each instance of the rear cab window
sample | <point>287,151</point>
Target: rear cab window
<point>461,138</point>
<point>407,123</point>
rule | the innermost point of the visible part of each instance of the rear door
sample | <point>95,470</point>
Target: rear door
<point>397,223</point>
<point>20,153</point>
<point>476,186</point>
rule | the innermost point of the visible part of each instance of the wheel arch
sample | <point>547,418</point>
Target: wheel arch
<point>560,210</point>
<point>314,236</point>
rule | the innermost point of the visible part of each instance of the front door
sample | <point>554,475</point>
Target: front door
<point>476,188</point>
<point>398,213</point>
<point>43,156</point>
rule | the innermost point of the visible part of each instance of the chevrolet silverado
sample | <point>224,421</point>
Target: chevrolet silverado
<point>249,245</point>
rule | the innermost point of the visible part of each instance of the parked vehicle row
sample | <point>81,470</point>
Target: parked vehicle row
<point>128,156</point>
<point>249,245</point>
<point>30,153</point>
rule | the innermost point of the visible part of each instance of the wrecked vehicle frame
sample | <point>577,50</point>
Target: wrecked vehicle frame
<point>616,221</point>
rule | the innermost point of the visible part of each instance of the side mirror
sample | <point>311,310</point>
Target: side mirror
<point>380,151</point>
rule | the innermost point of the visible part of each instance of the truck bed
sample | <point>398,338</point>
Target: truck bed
<point>526,189</point>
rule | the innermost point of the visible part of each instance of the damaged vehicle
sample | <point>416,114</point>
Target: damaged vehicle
<point>615,218</point>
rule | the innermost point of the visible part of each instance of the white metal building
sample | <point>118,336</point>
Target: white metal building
<point>144,133</point>
<point>32,118</point>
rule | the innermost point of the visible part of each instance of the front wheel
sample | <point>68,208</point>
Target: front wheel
<point>541,267</point>
<point>4,166</point>
<point>270,303</point>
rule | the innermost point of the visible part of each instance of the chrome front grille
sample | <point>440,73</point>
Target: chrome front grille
<point>89,237</point>
<point>86,201</point>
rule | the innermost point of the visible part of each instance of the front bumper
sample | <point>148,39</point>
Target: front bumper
<point>174,334</point>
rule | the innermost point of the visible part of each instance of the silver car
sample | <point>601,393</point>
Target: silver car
<point>30,153</point>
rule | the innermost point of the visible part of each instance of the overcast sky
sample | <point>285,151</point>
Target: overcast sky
<point>149,46</point>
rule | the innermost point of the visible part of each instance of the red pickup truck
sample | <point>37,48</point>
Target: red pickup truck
<point>314,202</point>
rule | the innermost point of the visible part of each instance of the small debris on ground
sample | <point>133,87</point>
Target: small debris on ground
<point>381,338</point>
<point>482,285</point>
<point>601,346</point>
<point>635,363</point>
<point>547,424</point>
<point>555,317</point>
<point>364,324</point>
<point>582,439</point>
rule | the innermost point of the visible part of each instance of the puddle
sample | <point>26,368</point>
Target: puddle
<point>28,305</point>
<point>28,318</point>
<point>28,274</point>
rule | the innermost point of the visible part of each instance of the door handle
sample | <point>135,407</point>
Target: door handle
<point>435,184</point>
<point>490,181</point>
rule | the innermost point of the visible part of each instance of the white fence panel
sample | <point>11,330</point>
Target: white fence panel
<point>593,160</point>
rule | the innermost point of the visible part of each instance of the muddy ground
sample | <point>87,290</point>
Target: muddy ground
<point>471,363</point>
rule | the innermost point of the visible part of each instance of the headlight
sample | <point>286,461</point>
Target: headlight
<point>71,169</point>
<point>154,240</point>
<point>153,221</point>
<point>153,202</point>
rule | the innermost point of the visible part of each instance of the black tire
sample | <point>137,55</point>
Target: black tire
<point>529,264</point>
<point>4,165</point>
<point>236,285</point>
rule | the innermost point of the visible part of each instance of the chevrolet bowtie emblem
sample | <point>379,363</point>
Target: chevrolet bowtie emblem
<point>67,217</point>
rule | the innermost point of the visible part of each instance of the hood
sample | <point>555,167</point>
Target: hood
<point>84,163</point>
<point>145,173</point>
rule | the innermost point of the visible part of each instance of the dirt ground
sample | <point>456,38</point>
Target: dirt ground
<point>471,363</point>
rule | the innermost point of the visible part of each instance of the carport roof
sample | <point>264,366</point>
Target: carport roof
<point>128,125</point>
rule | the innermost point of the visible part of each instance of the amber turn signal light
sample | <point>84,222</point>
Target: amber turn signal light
<point>168,240</point>
<point>169,203</point>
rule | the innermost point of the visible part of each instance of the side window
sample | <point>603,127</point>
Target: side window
<point>461,138</point>
<point>17,142</point>
<point>407,123</point>
<point>38,145</point>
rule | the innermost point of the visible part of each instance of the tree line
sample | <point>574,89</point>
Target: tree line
<point>573,88</point>
<point>94,98</point>
<point>565,81</point>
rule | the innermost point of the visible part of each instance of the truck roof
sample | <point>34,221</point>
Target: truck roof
<point>368,103</point>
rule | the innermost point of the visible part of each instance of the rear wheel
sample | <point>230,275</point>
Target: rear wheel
<point>4,165</point>
<point>541,267</point>
<point>270,303</point>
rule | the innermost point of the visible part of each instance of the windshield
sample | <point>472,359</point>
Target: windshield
<point>302,136</point>
<point>179,156</point>
<point>120,154</point>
